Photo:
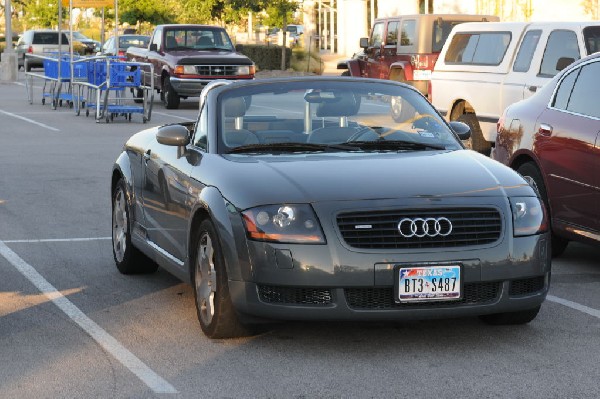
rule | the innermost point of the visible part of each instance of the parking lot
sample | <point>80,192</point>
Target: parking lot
<point>72,326</point>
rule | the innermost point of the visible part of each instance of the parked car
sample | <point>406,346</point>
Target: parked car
<point>125,41</point>
<point>483,68</point>
<point>91,46</point>
<point>39,42</point>
<point>404,48</point>
<point>302,199</point>
<point>552,140</point>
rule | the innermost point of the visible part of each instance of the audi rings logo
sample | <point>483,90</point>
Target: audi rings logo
<point>428,227</point>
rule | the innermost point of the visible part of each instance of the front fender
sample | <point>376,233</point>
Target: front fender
<point>122,169</point>
<point>227,222</point>
<point>354,68</point>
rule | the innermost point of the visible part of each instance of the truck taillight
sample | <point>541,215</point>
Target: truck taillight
<point>121,53</point>
<point>30,50</point>
<point>423,61</point>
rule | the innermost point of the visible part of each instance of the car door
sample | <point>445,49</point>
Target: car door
<point>567,147</point>
<point>374,51</point>
<point>561,49</point>
<point>153,56</point>
<point>167,190</point>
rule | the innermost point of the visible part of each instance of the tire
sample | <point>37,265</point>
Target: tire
<point>128,259</point>
<point>216,314</point>
<point>346,73</point>
<point>401,111</point>
<point>532,174</point>
<point>476,142</point>
<point>170,97</point>
<point>138,96</point>
<point>511,318</point>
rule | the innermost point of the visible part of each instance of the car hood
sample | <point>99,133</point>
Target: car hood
<point>249,181</point>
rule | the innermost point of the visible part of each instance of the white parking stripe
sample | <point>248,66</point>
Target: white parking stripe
<point>29,120</point>
<point>105,340</point>
<point>57,240</point>
<point>172,116</point>
<point>574,305</point>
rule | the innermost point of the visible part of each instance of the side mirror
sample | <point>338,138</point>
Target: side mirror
<point>364,42</point>
<point>153,47</point>
<point>175,136</point>
<point>239,48</point>
<point>564,62</point>
<point>462,130</point>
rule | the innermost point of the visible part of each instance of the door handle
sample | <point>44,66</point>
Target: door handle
<point>545,129</point>
<point>532,89</point>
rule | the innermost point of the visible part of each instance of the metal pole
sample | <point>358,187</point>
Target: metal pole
<point>331,28</point>
<point>9,63</point>
<point>320,30</point>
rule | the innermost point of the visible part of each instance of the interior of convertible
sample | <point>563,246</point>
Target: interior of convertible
<point>330,115</point>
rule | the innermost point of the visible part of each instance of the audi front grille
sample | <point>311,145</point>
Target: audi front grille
<point>419,228</point>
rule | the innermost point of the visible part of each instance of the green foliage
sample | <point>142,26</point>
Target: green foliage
<point>43,13</point>
<point>267,57</point>
<point>155,12</point>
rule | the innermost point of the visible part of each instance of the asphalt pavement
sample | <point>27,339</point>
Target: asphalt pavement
<point>72,326</point>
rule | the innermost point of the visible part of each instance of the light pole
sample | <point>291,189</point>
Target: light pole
<point>8,65</point>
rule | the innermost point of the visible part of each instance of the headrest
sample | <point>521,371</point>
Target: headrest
<point>345,105</point>
<point>235,107</point>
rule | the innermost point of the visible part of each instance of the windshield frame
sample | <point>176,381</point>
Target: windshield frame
<point>284,86</point>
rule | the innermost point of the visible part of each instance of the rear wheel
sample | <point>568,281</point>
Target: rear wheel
<point>346,73</point>
<point>129,260</point>
<point>511,318</point>
<point>170,97</point>
<point>476,142</point>
<point>531,173</point>
<point>217,316</point>
<point>138,96</point>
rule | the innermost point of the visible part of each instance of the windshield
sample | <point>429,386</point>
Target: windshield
<point>327,115</point>
<point>205,38</point>
<point>133,41</point>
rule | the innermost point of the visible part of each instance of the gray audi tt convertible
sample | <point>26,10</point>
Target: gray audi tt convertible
<point>311,199</point>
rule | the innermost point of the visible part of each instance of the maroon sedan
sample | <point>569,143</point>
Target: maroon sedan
<point>552,139</point>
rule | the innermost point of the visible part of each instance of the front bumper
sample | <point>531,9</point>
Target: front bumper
<point>188,87</point>
<point>336,282</point>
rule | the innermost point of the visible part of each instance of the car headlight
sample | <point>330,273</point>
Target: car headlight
<point>185,70</point>
<point>529,216</point>
<point>289,223</point>
<point>246,70</point>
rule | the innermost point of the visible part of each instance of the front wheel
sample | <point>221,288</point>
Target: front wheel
<point>170,97</point>
<point>217,316</point>
<point>511,318</point>
<point>531,173</point>
<point>128,259</point>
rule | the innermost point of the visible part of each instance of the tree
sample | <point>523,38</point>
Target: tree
<point>590,7</point>
<point>155,12</point>
<point>43,13</point>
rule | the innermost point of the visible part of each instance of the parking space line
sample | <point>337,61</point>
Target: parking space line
<point>29,120</point>
<point>172,116</point>
<point>56,240</point>
<point>104,339</point>
<point>574,305</point>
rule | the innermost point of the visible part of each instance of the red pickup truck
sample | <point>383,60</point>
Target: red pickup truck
<point>187,57</point>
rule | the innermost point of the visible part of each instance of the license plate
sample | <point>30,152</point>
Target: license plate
<point>420,74</point>
<point>435,283</point>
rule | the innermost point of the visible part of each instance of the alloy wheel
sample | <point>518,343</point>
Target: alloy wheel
<point>120,225</point>
<point>205,278</point>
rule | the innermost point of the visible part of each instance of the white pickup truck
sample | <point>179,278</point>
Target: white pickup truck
<point>484,67</point>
